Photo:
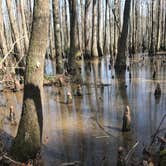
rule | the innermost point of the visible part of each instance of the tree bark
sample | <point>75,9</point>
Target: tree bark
<point>120,64</point>
<point>28,140</point>
<point>78,27</point>
<point>158,25</point>
<point>110,28</point>
<point>133,50</point>
<point>105,46</point>
<point>15,30</point>
<point>73,28</point>
<point>82,24</point>
<point>165,29</point>
<point>152,44</point>
<point>24,26</point>
<point>94,51</point>
<point>3,45</point>
<point>28,16</point>
<point>57,37</point>
<point>116,26</point>
<point>67,40</point>
<point>86,29</point>
<point>100,51</point>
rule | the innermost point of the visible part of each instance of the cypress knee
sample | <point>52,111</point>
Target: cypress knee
<point>126,120</point>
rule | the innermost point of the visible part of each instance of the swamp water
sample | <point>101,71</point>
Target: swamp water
<point>88,130</point>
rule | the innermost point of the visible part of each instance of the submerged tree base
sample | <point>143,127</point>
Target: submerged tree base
<point>25,151</point>
<point>120,70</point>
<point>27,142</point>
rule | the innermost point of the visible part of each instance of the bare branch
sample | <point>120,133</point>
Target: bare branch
<point>11,160</point>
<point>131,151</point>
<point>158,129</point>
<point>2,61</point>
<point>113,11</point>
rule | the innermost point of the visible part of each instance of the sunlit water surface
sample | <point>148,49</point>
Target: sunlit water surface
<point>74,130</point>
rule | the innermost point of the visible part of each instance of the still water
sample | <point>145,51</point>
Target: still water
<point>88,131</point>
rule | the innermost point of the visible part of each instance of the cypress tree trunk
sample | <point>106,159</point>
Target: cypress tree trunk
<point>28,16</point>
<point>94,51</point>
<point>78,26</point>
<point>152,44</point>
<point>105,46</point>
<point>86,29</point>
<point>67,41</point>
<point>15,30</point>
<point>74,44</point>
<point>3,45</point>
<point>148,31</point>
<point>82,25</point>
<point>165,30</point>
<point>99,30</point>
<point>158,26</point>
<point>164,25</point>
<point>136,27</point>
<point>116,31</point>
<point>25,29</point>
<point>110,28</point>
<point>120,64</point>
<point>28,140</point>
<point>133,50</point>
<point>57,37</point>
<point>163,20</point>
<point>61,30</point>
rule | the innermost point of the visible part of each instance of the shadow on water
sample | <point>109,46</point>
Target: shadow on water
<point>71,129</point>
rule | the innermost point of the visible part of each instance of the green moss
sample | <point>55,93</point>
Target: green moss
<point>26,144</point>
<point>163,152</point>
<point>24,150</point>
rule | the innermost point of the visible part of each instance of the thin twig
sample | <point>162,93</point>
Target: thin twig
<point>15,67</point>
<point>157,131</point>
<point>11,49</point>
<point>19,61</point>
<point>131,151</point>
<point>116,21</point>
<point>11,160</point>
<point>103,129</point>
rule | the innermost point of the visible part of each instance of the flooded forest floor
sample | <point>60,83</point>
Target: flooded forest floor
<point>87,131</point>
